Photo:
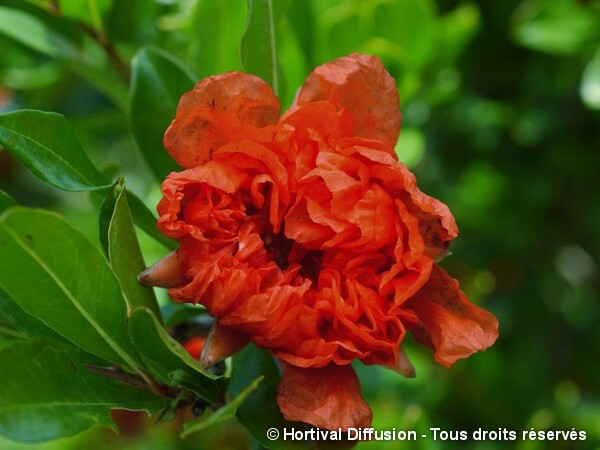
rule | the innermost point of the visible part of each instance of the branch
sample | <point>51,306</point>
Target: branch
<point>118,63</point>
<point>116,373</point>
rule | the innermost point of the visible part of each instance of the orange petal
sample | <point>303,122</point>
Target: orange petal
<point>327,398</point>
<point>221,343</point>
<point>447,322</point>
<point>361,85</point>
<point>435,222</point>
<point>165,273</point>
<point>216,107</point>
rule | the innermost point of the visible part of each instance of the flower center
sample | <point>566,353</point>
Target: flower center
<point>279,247</point>
<point>285,251</point>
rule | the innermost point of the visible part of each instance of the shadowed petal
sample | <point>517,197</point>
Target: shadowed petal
<point>327,398</point>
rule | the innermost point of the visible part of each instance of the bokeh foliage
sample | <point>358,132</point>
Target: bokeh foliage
<point>501,121</point>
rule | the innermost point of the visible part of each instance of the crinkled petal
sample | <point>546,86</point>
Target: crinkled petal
<point>328,121</point>
<point>213,111</point>
<point>447,322</point>
<point>436,223</point>
<point>327,398</point>
<point>360,85</point>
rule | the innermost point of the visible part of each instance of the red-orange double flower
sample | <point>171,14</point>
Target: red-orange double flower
<point>305,235</point>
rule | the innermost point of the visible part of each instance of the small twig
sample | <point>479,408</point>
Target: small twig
<point>119,64</point>
<point>12,333</point>
<point>55,7</point>
<point>96,19</point>
<point>100,37</point>
<point>116,373</point>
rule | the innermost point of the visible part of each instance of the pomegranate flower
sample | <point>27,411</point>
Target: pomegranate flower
<point>305,235</point>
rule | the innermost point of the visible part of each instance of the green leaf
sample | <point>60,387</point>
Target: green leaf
<point>46,144</point>
<point>8,331</point>
<point>88,11</point>
<point>590,83</point>
<point>142,217</point>
<point>163,355</point>
<point>304,30</point>
<point>101,76</point>
<point>146,221</point>
<point>226,412</point>
<point>175,314</point>
<point>125,255</point>
<point>56,275</point>
<point>22,321</point>
<point>134,21</point>
<point>6,201</point>
<point>258,49</point>
<point>560,27</point>
<point>46,393</point>
<point>260,411</point>
<point>224,18</point>
<point>31,78</point>
<point>339,20</point>
<point>411,146</point>
<point>158,81</point>
<point>65,40</point>
<point>454,31</point>
<point>107,209</point>
<point>409,25</point>
<point>30,31</point>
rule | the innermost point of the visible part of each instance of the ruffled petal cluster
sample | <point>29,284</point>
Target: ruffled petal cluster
<point>305,235</point>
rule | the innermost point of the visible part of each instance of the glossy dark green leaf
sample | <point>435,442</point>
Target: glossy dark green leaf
<point>46,144</point>
<point>46,393</point>
<point>25,323</point>
<point>56,275</point>
<point>158,81</point>
<point>225,412</point>
<point>162,355</point>
<point>258,49</point>
<point>126,257</point>
<point>260,410</point>
<point>6,201</point>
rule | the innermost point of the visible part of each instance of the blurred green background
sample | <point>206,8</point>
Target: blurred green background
<point>501,121</point>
